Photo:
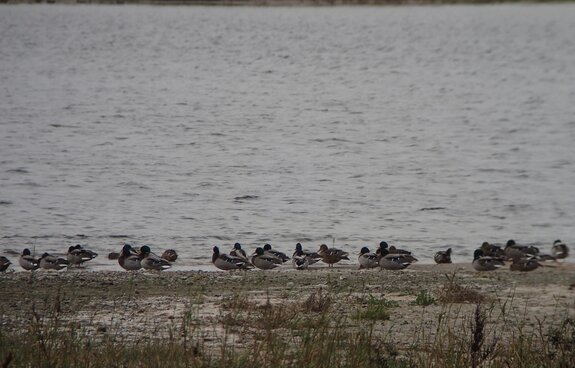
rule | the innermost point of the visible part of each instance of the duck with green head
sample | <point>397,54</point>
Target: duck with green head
<point>264,261</point>
<point>559,250</point>
<point>151,261</point>
<point>128,259</point>
<point>228,262</point>
<point>312,257</point>
<point>275,253</point>
<point>27,261</point>
<point>367,259</point>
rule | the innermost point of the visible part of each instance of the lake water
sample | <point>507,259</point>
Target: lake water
<point>188,127</point>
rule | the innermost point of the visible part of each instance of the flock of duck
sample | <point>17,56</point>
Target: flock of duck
<point>488,257</point>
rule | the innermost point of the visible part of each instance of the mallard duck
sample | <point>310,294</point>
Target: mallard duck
<point>331,255</point>
<point>238,252</point>
<point>128,259</point>
<point>524,264</point>
<point>77,255</point>
<point>151,261</point>
<point>492,250</point>
<point>264,261</point>
<point>50,262</point>
<point>367,259</point>
<point>443,256</point>
<point>300,261</point>
<point>4,263</point>
<point>394,261</point>
<point>485,263</point>
<point>228,262</point>
<point>276,253</point>
<point>312,257</point>
<point>559,250</point>
<point>170,255</point>
<point>27,262</point>
<point>515,251</point>
<point>407,254</point>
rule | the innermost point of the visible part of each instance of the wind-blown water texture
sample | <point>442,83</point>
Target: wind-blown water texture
<point>188,127</point>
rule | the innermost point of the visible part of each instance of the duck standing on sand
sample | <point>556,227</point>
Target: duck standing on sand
<point>128,259</point>
<point>4,263</point>
<point>443,256</point>
<point>77,255</point>
<point>559,250</point>
<point>151,261</point>
<point>27,262</point>
<point>228,262</point>
<point>50,262</point>
<point>264,261</point>
<point>275,253</point>
<point>312,257</point>
<point>331,255</point>
<point>485,263</point>
<point>367,259</point>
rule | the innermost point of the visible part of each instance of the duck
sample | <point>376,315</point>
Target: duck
<point>385,249</point>
<point>27,261</point>
<point>77,255</point>
<point>515,251</point>
<point>394,261</point>
<point>276,253</point>
<point>50,262</point>
<point>331,255</point>
<point>492,250</point>
<point>443,256</point>
<point>4,263</point>
<point>312,257</point>
<point>237,251</point>
<point>264,261</point>
<point>128,259</point>
<point>170,255</point>
<point>525,264</point>
<point>367,259</point>
<point>559,250</point>
<point>485,263</point>
<point>150,261</point>
<point>300,261</point>
<point>228,262</point>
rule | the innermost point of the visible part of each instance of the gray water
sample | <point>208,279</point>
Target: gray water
<point>188,127</point>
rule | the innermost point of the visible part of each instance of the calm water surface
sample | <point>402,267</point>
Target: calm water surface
<point>187,127</point>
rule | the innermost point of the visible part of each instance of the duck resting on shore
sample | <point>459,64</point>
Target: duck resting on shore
<point>312,257</point>
<point>228,262</point>
<point>4,263</point>
<point>77,255</point>
<point>50,262</point>
<point>264,261</point>
<point>238,252</point>
<point>129,260</point>
<point>151,261</point>
<point>367,259</point>
<point>443,256</point>
<point>485,263</point>
<point>27,261</point>
<point>559,250</point>
<point>275,253</point>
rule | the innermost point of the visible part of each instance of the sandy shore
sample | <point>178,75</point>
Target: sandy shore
<point>150,305</point>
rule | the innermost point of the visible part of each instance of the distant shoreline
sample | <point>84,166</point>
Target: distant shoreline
<point>265,3</point>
